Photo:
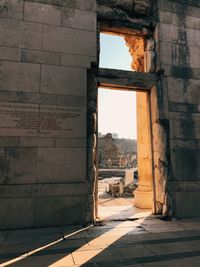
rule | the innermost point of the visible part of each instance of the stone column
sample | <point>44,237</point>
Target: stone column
<point>143,57</point>
<point>143,194</point>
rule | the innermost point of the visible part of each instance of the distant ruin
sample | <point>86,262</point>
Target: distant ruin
<point>116,153</point>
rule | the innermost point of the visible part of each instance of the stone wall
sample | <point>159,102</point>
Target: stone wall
<point>177,38</point>
<point>46,48</point>
<point>48,106</point>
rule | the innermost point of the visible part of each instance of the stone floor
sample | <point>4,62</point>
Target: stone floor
<point>120,209</point>
<point>145,242</point>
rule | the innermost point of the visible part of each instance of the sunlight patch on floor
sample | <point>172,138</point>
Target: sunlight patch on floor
<point>120,209</point>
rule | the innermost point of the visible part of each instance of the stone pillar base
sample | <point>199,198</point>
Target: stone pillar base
<point>143,199</point>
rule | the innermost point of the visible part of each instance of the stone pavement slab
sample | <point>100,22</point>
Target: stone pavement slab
<point>113,244</point>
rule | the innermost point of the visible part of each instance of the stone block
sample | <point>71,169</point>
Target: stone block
<point>164,54</point>
<point>190,21</point>
<point>56,190</point>
<point>194,55</point>
<point>25,76</point>
<point>182,144</point>
<point>31,35</point>
<point>187,204</point>
<point>63,80</point>
<point>184,125</point>
<point>178,55</point>
<point>37,98</point>
<point>185,164</point>
<point>51,211</point>
<point>10,96</point>
<point>49,2</point>
<point>36,142</point>
<point>68,40</point>
<point>18,165</point>
<point>10,33</point>
<point>164,32</point>
<point>9,141</point>
<point>42,57</point>
<point>193,37</point>
<point>164,5</point>
<point>77,60</point>
<point>53,190</point>
<point>61,165</point>
<point>11,9</point>
<point>165,17</point>
<point>179,6</point>
<point>87,4</point>
<point>79,19</point>
<point>20,34</point>
<point>178,107</point>
<point>184,91</point>
<point>193,12</point>
<point>16,213</point>
<point>73,101</point>
<point>43,190</point>
<point>171,33</point>
<point>7,53</point>
<point>71,142</point>
<point>42,13</point>
<point>81,4</point>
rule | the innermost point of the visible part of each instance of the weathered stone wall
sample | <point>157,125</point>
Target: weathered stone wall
<point>46,48</point>
<point>48,106</point>
<point>177,38</point>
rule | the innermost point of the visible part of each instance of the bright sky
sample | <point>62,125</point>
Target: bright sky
<point>116,109</point>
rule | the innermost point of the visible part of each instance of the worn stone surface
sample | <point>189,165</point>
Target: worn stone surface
<point>47,54</point>
<point>79,19</point>
<point>63,80</point>
<point>18,165</point>
<point>41,13</point>
<point>11,9</point>
<point>72,60</point>
<point>59,210</point>
<point>147,241</point>
<point>61,165</point>
<point>16,218</point>
<point>25,76</point>
<point>44,62</point>
<point>178,48</point>
<point>69,40</point>
<point>36,56</point>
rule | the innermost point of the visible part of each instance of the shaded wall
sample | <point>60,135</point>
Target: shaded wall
<point>178,50</point>
<point>45,50</point>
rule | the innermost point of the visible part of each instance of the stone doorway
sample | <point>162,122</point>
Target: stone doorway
<point>152,145</point>
<point>116,184</point>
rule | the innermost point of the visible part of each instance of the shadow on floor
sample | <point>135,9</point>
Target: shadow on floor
<point>142,242</point>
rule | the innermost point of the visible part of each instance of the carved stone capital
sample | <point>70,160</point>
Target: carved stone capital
<point>136,49</point>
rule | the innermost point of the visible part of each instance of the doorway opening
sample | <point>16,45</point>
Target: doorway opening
<point>124,146</point>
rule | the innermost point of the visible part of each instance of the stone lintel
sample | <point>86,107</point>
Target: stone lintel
<point>135,27</point>
<point>120,79</point>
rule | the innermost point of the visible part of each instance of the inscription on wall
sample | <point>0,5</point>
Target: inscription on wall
<point>18,119</point>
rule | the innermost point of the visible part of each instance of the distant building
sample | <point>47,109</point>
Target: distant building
<point>116,153</point>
